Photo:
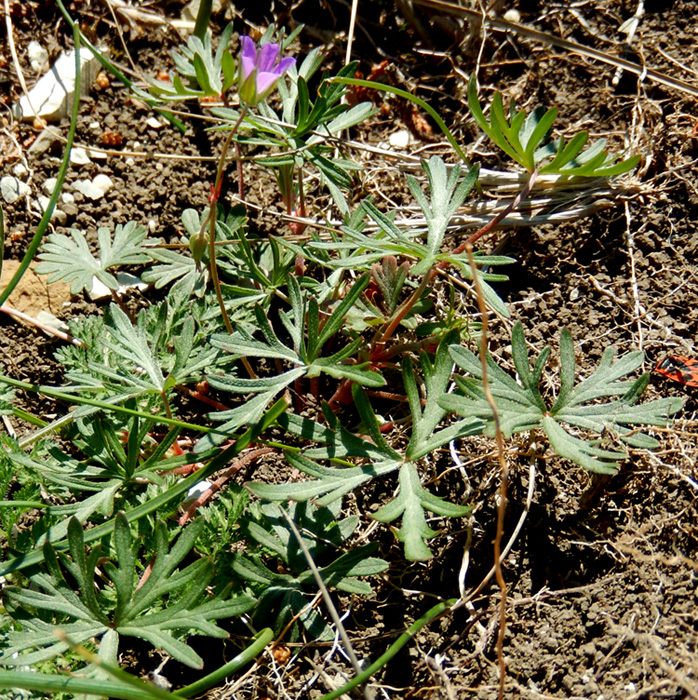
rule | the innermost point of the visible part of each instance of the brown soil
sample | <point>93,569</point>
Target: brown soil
<point>602,582</point>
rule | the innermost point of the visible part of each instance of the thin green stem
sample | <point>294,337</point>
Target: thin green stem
<point>261,639</point>
<point>70,398</point>
<point>54,684</point>
<point>43,224</point>
<point>412,98</point>
<point>394,648</point>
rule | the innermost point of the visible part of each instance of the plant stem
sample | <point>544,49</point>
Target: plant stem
<point>491,225</point>
<point>405,637</point>
<point>211,221</point>
<point>502,465</point>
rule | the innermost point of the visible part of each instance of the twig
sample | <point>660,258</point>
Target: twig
<point>639,310</point>
<point>503,468</point>
<point>571,46</point>
<point>21,316</point>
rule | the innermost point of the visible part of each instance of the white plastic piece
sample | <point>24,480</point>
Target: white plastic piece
<point>126,281</point>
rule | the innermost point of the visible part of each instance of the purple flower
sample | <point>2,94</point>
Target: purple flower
<point>260,70</point>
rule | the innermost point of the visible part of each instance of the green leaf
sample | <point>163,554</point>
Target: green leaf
<point>410,504</point>
<point>70,259</point>
<point>520,406</point>
<point>178,596</point>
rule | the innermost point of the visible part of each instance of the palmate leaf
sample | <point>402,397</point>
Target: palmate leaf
<point>521,406</point>
<point>375,456</point>
<point>289,594</point>
<point>70,259</point>
<point>172,601</point>
<point>207,74</point>
<point>526,140</point>
<point>302,324</point>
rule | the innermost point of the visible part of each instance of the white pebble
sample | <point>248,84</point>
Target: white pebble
<point>88,189</point>
<point>94,126</point>
<point>399,139</point>
<point>152,225</point>
<point>56,215</point>
<point>154,123</point>
<point>78,156</point>
<point>102,182</point>
<point>512,16</point>
<point>20,169</point>
<point>67,198</point>
<point>37,55</point>
<point>49,185</point>
<point>12,188</point>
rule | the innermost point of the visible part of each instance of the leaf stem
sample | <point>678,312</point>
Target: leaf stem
<point>382,87</point>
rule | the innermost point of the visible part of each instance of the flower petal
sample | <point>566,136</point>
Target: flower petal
<point>265,82</point>
<point>266,58</point>
<point>248,56</point>
<point>285,64</point>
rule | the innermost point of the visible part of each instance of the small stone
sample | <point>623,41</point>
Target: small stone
<point>70,208</point>
<point>97,155</point>
<point>512,16</point>
<point>154,123</point>
<point>130,162</point>
<point>152,225</point>
<point>50,98</point>
<point>12,188</point>
<point>20,169</point>
<point>37,55</point>
<point>102,182</point>
<point>78,156</point>
<point>88,189</point>
<point>49,185</point>
<point>399,139</point>
<point>44,141</point>
<point>95,126</point>
<point>60,217</point>
<point>67,198</point>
